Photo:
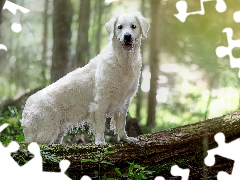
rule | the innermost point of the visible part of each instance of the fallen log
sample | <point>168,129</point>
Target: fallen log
<point>18,101</point>
<point>185,146</point>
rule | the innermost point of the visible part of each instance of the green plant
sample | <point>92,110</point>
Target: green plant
<point>98,158</point>
<point>136,172</point>
<point>22,156</point>
<point>14,131</point>
<point>47,156</point>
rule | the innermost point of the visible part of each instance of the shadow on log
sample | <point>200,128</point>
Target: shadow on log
<point>185,146</point>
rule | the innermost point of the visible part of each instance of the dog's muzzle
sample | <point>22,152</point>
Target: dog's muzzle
<point>128,42</point>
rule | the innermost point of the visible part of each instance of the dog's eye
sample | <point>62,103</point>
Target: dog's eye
<point>133,26</point>
<point>120,27</point>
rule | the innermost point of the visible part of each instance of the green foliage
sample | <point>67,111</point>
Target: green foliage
<point>14,131</point>
<point>135,171</point>
<point>49,157</point>
<point>22,156</point>
<point>97,157</point>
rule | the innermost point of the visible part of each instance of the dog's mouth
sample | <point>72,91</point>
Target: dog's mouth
<point>128,46</point>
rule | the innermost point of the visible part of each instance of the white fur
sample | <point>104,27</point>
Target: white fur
<point>104,87</point>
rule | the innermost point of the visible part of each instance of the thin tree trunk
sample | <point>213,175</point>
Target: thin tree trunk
<point>210,96</point>
<point>82,45</point>
<point>139,96</point>
<point>99,30</point>
<point>2,52</point>
<point>154,63</point>
<point>62,18</point>
<point>2,2</point>
<point>45,37</point>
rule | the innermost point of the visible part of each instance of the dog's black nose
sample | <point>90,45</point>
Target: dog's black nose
<point>127,38</point>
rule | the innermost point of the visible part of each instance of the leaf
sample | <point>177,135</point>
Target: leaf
<point>106,162</point>
<point>89,160</point>
<point>118,172</point>
<point>110,152</point>
<point>21,127</point>
<point>131,167</point>
<point>20,138</point>
<point>106,151</point>
<point>137,166</point>
<point>126,175</point>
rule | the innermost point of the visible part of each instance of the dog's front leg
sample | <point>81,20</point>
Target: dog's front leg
<point>99,120</point>
<point>120,128</point>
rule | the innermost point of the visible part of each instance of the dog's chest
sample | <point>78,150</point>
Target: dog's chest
<point>126,80</point>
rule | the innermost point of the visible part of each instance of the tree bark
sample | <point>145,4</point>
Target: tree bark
<point>2,2</point>
<point>154,63</point>
<point>62,18</point>
<point>139,97</point>
<point>99,30</point>
<point>45,37</point>
<point>82,44</point>
<point>184,146</point>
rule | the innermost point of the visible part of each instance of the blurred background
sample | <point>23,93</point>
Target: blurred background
<point>183,81</point>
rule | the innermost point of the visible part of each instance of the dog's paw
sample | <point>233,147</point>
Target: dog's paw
<point>100,143</point>
<point>131,139</point>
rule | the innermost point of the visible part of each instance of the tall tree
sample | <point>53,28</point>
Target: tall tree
<point>62,19</point>
<point>82,43</point>
<point>2,2</point>
<point>154,62</point>
<point>139,96</point>
<point>45,36</point>
<point>99,31</point>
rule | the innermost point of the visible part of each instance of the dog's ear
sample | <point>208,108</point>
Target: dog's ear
<point>110,26</point>
<point>144,24</point>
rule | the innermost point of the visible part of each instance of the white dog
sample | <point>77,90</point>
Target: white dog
<point>104,87</point>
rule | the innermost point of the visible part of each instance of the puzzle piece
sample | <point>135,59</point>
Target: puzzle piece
<point>159,178</point>
<point>12,7</point>
<point>34,165</point>
<point>85,178</point>
<point>2,46</point>
<point>236,16</point>
<point>182,9</point>
<point>16,27</point>
<point>227,150</point>
<point>177,171</point>
<point>222,51</point>
<point>32,169</point>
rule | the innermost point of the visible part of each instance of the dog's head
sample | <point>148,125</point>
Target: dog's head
<point>128,29</point>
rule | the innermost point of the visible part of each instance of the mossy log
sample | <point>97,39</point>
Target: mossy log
<point>185,146</point>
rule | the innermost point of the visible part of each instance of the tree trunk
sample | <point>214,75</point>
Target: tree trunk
<point>82,44</point>
<point>139,96</point>
<point>212,80</point>
<point>62,18</point>
<point>99,30</point>
<point>154,63</point>
<point>45,37</point>
<point>2,52</point>
<point>184,146</point>
<point>2,2</point>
